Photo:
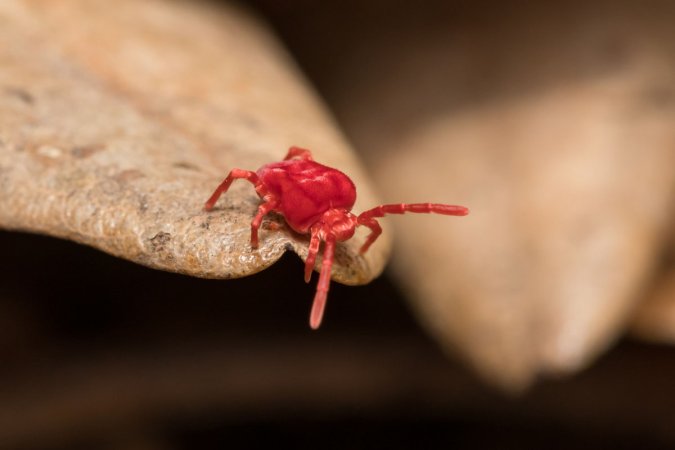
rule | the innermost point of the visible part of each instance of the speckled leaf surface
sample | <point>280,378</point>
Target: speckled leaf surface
<point>118,119</point>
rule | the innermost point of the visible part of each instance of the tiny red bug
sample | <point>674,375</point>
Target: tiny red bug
<point>317,200</point>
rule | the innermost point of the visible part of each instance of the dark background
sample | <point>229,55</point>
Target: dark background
<point>101,353</point>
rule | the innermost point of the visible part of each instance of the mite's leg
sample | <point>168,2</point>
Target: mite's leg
<point>375,231</point>
<point>297,152</point>
<point>324,283</point>
<point>257,220</point>
<point>311,255</point>
<point>224,186</point>
<point>366,218</point>
<point>424,208</point>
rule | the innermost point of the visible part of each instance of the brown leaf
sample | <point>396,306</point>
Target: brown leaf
<point>118,120</point>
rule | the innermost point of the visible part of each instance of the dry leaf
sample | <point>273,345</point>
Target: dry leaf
<point>118,119</point>
<point>561,141</point>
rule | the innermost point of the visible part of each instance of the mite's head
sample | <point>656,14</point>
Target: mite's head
<point>338,222</point>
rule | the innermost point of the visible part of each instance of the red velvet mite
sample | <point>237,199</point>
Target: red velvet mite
<point>317,200</point>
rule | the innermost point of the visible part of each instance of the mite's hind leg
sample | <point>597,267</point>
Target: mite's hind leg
<point>297,152</point>
<point>225,185</point>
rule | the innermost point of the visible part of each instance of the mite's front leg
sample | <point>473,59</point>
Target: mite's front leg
<point>375,231</point>
<point>314,243</point>
<point>322,287</point>
<point>257,220</point>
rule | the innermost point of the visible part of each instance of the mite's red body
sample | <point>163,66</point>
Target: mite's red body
<point>315,199</point>
<point>305,190</point>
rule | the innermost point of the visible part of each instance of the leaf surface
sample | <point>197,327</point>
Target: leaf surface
<point>118,120</point>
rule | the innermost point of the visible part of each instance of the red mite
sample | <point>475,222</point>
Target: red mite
<point>317,200</point>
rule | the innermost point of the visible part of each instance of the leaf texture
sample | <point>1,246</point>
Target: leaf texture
<point>118,120</point>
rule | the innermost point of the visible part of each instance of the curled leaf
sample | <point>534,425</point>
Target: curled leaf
<point>117,121</point>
